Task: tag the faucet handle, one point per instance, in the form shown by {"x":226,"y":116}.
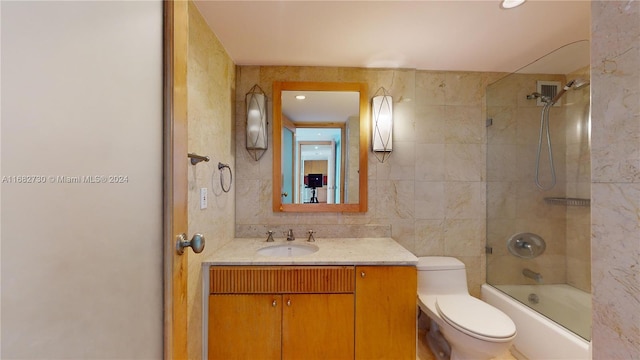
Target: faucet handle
{"x":311,"y":238}
{"x":270,"y":236}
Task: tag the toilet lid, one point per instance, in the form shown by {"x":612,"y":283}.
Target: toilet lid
{"x":475,"y":317}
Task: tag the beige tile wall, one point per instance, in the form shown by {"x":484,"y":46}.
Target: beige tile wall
{"x":615,"y":172}
{"x":211,"y":84}
{"x":429,"y":196}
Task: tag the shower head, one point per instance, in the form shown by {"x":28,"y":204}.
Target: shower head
{"x":574,"y":84}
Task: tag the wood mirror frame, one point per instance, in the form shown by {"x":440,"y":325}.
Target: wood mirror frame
{"x":361,"y":205}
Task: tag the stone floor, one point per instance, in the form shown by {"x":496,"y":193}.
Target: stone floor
{"x":424,"y":353}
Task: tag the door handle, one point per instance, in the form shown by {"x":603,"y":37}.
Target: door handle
{"x":284,"y":194}
{"x":196,"y":243}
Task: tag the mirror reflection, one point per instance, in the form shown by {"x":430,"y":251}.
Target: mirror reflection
{"x":318,"y":134}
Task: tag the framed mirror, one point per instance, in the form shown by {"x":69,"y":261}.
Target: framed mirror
{"x":320,"y":145}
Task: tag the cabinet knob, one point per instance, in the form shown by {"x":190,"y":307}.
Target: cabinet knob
{"x":362,"y":274}
{"x":289,"y":302}
{"x":274,"y":303}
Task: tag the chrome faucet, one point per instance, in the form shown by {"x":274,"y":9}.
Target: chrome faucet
{"x":290,"y":236}
{"x":532,"y":275}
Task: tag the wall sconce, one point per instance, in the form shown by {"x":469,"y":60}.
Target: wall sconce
{"x":382,"y":124}
{"x":257,"y":141}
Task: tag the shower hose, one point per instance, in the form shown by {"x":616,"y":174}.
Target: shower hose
{"x":544,"y":128}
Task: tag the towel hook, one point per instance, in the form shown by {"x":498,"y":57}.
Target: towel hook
{"x":195,"y":158}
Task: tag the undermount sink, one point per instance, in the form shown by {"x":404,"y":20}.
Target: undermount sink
{"x":289,"y":250}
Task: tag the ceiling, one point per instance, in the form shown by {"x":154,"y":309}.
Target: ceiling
{"x":454,"y":35}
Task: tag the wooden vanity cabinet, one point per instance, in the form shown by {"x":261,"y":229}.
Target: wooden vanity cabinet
{"x":312,"y":312}
{"x":281,"y":312}
{"x":245,"y":326}
{"x":318,"y":326}
{"x":386,"y":312}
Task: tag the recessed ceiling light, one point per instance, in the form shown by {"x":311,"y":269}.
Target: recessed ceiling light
{"x":510,"y":4}
{"x":300,"y":97}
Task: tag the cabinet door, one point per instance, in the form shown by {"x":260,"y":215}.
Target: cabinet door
{"x":386,"y":312}
{"x":245,"y":326}
{"x":318,"y":326}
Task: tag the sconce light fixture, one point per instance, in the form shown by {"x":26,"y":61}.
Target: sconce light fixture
{"x":257,"y":141}
{"x":382,"y":124}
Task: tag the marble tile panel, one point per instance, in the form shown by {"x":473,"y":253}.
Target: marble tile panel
{"x":464,"y":237}
{"x":429,"y":237}
{"x":464,"y":200}
{"x":464,"y":88}
{"x":498,"y":232}
{"x":430,"y":124}
{"x":403,"y":231}
{"x":395,"y":199}
{"x":430,"y":87}
{"x":501,"y":200}
{"x":504,"y":125}
{"x":464,"y":125}
{"x":476,"y":270}
{"x":502,"y":162}
{"x":464,"y":162}
{"x":429,"y":164}
{"x":429,"y":200}
{"x":400,"y":165}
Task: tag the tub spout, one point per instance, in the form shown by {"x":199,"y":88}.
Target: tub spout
{"x":532,"y":275}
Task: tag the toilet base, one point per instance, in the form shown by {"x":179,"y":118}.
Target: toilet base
{"x":437,"y":343}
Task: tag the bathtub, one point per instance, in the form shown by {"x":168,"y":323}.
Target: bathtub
{"x":538,"y":337}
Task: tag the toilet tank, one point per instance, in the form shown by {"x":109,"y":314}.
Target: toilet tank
{"x":441,"y":275}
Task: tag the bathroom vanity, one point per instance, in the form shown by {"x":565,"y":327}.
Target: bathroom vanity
{"x":341,"y":299}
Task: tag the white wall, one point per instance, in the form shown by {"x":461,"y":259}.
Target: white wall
{"x":81,"y":263}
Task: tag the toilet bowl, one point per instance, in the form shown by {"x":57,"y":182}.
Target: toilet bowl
{"x":473,"y":328}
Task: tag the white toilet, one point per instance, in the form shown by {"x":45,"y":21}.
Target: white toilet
{"x":472,"y":328}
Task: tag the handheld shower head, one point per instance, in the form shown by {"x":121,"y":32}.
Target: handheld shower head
{"x":578,"y":83}
{"x":574,"y":84}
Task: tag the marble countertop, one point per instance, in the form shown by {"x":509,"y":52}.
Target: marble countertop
{"x":332,"y":251}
